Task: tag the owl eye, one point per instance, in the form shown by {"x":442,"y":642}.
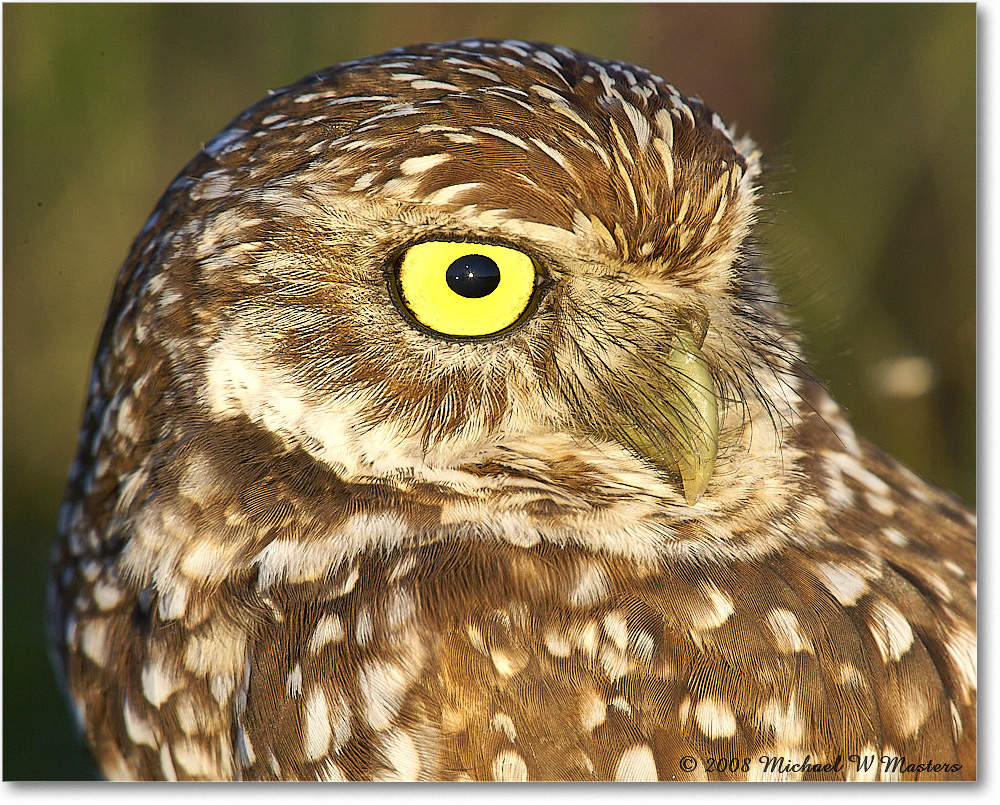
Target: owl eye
{"x":465,"y":289}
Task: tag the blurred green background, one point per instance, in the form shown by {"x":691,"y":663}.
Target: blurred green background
{"x":867,"y":114}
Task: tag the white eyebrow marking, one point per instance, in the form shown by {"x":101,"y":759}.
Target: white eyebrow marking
{"x":446,"y":194}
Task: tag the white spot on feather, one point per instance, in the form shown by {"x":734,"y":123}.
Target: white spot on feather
{"x":960,"y":643}
{"x":590,"y":587}
{"x":895,"y":536}
{"x":72,"y":630}
{"x":785,"y":719}
{"x":508,"y":664}
{"x":293,"y":685}
{"x":159,"y":682}
{"x":139,"y":730}
{"x":460,"y":139}
{"x":913,"y":712}
{"x":489,"y":75}
{"x":225,"y":141}
{"x":383,"y":686}
{"x":787,"y":631}
{"x":503,"y":723}
{"x":205,"y":561}
{"x":891,"y":631}
{"x":363,"y":628}
{"x":363,"y":182}
{"x":167,"y":764}
{"x":106,"y":595}
{"x":593,"y":712}
{"x":639,"y":124}
{"x":446,"y":195}
{"x":425,"y":84}
{"x":93,"y":640}
{"x":636,"y":765}
{"x":213,"y":185}
{"x":881,"y":504}
{"x":850,"y":676}
{"x":719,"y":608}
{"x":616,"y":628}
{"x":644,"y":646}
{"x":403,"y":567}
{"x":557,"y":643}
{"x":244,"y":747}
{"x":715,"y":718}
{"x":402,"y":755}
{"x":552,"y":154}
{"x":415,"y":165}
{"x":846,"y":585}
{"x":851,"y":466}
{"x":222,"y":686}
{"x":587,"y":638}
{"x":329,"y":629}
{"x":503,"y":135}
{"x":615,"y":662}
{"x":508,"y":766}
{"x":172,"y":602}
{"x":957,"y":729}
{"x":330,"y":772}
{"x":665,"y":123}
{"x":191,"y":757}
{"x":217,"y":650}
{"x":316,"y":732}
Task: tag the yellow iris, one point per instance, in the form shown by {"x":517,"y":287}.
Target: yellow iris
{"x":466,"y":289}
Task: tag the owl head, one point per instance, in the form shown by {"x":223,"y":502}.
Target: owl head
{"x":450,"y":275}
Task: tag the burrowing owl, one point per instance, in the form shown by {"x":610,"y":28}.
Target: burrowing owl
{"x":444,"y":426}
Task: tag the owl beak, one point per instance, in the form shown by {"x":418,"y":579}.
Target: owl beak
{"x":665,"y":410}
{"x":693,"y":415}
{"x":663,"y":407}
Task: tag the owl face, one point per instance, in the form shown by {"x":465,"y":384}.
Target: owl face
{"x":510,"y":255}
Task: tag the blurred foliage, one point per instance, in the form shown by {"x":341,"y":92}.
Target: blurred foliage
{"x":866,"y":113}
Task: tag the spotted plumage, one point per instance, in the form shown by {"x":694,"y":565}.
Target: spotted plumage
{"x":622,"y":536}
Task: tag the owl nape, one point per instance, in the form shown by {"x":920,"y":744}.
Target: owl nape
{"x":445,"y":426}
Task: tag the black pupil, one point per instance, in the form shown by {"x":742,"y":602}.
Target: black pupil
{"x":473,"y":276}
